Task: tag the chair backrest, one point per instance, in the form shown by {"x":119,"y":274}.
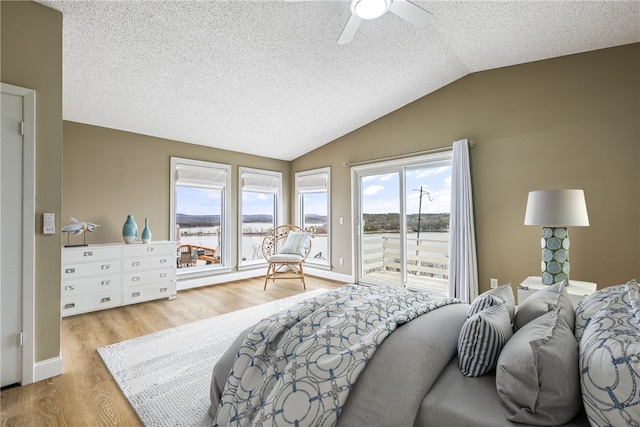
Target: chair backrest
{"x":276,"y":237}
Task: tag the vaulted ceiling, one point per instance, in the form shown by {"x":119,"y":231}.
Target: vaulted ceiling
{"x":268,"y":78}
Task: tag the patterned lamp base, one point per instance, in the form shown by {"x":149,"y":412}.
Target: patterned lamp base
{"x":555,"y":255}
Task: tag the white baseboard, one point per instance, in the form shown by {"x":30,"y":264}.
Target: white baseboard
{"x":328,"y":274}
{"x":214,"y":279}
{"x":196,"y":282}
{"x":48,"y":368}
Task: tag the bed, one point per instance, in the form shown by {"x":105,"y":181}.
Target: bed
{"x":414,"y":377}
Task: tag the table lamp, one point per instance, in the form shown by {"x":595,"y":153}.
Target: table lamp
{"x":556,"y":210}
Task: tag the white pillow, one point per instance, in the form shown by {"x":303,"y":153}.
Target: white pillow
{"x":296,"y":243}
{"x":609,"y":362}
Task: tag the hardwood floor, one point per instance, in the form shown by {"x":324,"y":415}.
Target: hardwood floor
{"x":86,"y":395}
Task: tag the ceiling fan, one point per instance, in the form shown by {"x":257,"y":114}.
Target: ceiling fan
{"x":372,"y":9}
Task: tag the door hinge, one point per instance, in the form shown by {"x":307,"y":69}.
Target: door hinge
{"x":21,"y":338}
{"x":21,"y":128}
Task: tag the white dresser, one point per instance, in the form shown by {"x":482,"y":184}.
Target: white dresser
{"x":97,"y":277}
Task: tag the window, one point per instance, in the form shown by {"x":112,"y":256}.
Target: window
{"x":259,"y":210}
{"x":200,"y":210}
{"x":312,"y":212}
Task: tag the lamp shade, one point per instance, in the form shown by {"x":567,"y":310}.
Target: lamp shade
{"x":562,"y":208}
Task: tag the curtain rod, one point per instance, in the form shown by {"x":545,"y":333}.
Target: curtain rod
{"x":402,"y":156}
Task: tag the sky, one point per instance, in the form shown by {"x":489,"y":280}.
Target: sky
{"x":380,"y":193}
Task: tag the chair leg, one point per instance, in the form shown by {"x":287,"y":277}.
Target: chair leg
{"x":304,"y":284}
{"x":266,"y":277}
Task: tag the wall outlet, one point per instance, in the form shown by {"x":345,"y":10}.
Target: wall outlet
{"x":494,"y":283}
{"x":341,"y":261}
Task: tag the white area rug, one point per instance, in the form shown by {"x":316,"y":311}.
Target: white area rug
{"x":166,"y":375}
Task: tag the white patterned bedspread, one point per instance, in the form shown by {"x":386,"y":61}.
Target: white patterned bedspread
{"x":297,"y":367}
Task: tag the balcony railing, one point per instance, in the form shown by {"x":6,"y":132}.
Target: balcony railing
{"x":427,"y":261}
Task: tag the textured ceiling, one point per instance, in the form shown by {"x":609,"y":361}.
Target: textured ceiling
{"x":267,"y":77}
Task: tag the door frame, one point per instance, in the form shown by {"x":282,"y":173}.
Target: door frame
{"x":386,"y":166}
{"x":28,"y":227}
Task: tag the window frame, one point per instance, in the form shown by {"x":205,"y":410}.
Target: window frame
{"x":225,"y":213}
{"x":276,"y":191}
{"x":299,"y":211}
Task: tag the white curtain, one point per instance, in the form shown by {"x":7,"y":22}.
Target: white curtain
{"x":463,"y":263}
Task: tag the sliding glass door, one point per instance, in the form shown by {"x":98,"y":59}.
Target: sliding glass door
{"x":402,"y":222}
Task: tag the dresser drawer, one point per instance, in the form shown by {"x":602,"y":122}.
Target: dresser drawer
{"x":83,"y":285}
{"x":90,"y":302}
{"x":90,"y":253}
{"x":139,"y":278}
{"x":138,"y":250}
{"x":146,"y":263}
{"x":136,"y":294}
{"x":82,"y":269}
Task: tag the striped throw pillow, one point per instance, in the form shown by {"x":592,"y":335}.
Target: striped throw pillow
{"x":482,"y":338}
{"x":296,"y":243}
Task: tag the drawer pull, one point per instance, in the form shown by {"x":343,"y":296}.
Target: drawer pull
{"x":70,"y":288}
{"x":163,"y":261}
{"x":163,"y":289}
{"x":135,"y":294}
{"x":163,"y":274}
{"x":135,"y":263}
{"x":135,"y":278}
{"x":105,"y":299}
{"x":105,"y":266}
{"x":105,"y":283}
{"x":68,"y":306}
{"x":70,"y":270}
{"x":150,"y":249}
{"x":87,"y":253}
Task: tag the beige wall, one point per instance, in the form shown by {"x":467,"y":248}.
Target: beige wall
{"x":570,"y":122}
{"x":109,"y":174}
{"x":561,"y":123}
{"x":31,"y":57}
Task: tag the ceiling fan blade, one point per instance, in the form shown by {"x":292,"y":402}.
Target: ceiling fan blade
{"x":349,"y":30}
{"x":410,"y":12}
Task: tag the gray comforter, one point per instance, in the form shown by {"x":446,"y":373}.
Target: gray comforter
{"x":411,"y":380}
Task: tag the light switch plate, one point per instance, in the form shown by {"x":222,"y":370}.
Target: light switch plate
{"x":49,"y":223}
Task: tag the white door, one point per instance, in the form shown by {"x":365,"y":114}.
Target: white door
{"x":11,"y":215}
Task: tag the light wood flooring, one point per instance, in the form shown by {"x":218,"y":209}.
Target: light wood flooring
{"x":86,"y":395}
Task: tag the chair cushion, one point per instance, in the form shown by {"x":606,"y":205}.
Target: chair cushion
{"x":296,"y":243}
{"x":285,"y":258}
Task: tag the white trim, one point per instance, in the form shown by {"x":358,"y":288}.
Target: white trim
{"x":274,"y":188}
{"x":225,"y":214}
{"x":298,"y":195}
{"x":197,"y":282}
{"x":47,"y":368}
{"x":330,"y":275}
{"x":29,"y":218}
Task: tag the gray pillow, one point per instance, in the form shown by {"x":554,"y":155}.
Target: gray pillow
{"x":543,"y":301}
{"x":481,"y":340}
{"x":505,"y":293}
{"x":537,"y":375}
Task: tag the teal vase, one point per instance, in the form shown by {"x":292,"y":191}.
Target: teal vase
{"x":130,"y":230}
{"x":146,"y":233}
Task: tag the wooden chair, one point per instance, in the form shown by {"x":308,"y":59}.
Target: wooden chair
{"x":286,"y":254}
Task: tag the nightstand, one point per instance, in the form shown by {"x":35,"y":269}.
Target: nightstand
{"x":576,"y":288}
